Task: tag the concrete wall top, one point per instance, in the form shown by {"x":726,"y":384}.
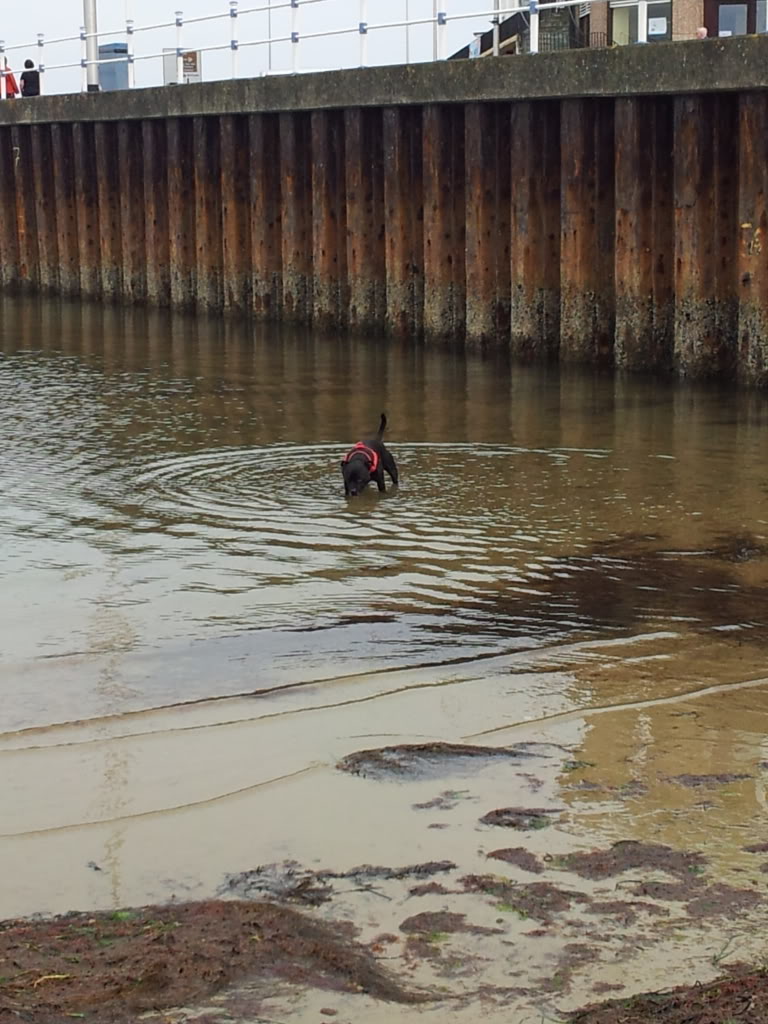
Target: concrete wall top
{"x":717,"y":65}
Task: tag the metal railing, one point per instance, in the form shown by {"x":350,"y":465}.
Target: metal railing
{"x":235,"y":14}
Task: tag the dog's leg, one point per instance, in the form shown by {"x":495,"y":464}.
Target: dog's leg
{"x":391,"y":468}
{"x":379,"y":478}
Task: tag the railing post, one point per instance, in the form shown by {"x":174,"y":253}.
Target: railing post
{"x":294,"y":35}
{"x":3,"y":85}
{"x":642,"y":21}
{"x":363,"y":33}
{"x":179,"y":51}
{"x":407,"y":33}
{"x":41,"y":62}
{"x":533,"y":8}
{"x":442,"y":22}
{"x":130,"y":54}
{"x":83,"y":59}
{"x":495,"y":21}
{"x":233,"y":41}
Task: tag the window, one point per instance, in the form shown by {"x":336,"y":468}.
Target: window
{"x":624,"y":22}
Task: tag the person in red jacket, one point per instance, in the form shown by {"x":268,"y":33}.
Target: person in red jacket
{"x":11,"y":86}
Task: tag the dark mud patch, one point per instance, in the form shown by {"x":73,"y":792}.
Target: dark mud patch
{"x":446,"y":801}
{"x":741,"y":998}
{"x":520,"y":857}
{"x":442,"y":922}
{"x":625,"y":912}
{"x":426,"y":760}
{"x":676,"y":892}
{"x":428,"y":889}
{"x":290,"y":882}
{"x":706,"y":781}
{"x":756,"y":848}
{"x":537,"y":900}
{"x":287,"y":881}
{"x":629,"y":855}
{"x":523,"y":819}
{"x":109,"y":967}
{"x":371,"y":872}
{"x":723,"y":900}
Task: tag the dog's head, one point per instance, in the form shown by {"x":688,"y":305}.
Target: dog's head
{"x":357,"y":476}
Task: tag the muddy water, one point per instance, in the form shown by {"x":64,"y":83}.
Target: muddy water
{"x":197,"y":626}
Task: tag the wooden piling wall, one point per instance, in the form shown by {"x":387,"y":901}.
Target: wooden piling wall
{"x":629,"y":230}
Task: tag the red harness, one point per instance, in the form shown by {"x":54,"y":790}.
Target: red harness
{"x":370,"y":454}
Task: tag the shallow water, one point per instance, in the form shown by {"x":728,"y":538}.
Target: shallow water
{"x":197,"y":625}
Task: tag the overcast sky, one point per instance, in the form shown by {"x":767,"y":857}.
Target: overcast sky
{"x":58,"y":18}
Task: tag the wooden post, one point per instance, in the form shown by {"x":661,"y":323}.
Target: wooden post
{"x":587,"y":231}
{"x":26,"y":214}
{"x":182,"y":250}
{"x":403,"y":191}
{"x":156,"y":233}
{"x":108,"y":183}
{"x":329,"y":242}
{"x":235,"y":213}
{"x":364,"y":186}
{"x":87,"y":208}
{"x":444,"y":227}
{"x":753,"y":247}
{"x":535,"y":233}
{"x":43,"y":175}
{"x":129,"y":144}
{"x":208,"y":228}
{"x":644,"y":254}
{"x":266,"y":230}
{"x":296,"y":215}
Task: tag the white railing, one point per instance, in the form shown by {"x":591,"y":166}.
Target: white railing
{"x":286,"y":13}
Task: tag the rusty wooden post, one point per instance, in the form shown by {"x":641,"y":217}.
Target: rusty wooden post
{"x":753,"y":248}
{"x":129,"y":143}
{"x":535,"y":231}
{"x":296,"y":215}
{"x":403,"y":192}
{"x":9,"y":232}
{"x":265,"y":214}
{"x":487,"y":224}
{"x":87,"y":208}
{"x":364,"y":184}
{"x":26,"y":219}
{"x":181,"y":212}
{"x":43,"y":174}
{"x":66,"y":212}
{"x":444,"y":227}
{"x":108,"y":183}
{"x":235,"y":213}
{"x":644,"y":254}
{"x":587,"y":229}
{"x":156,"y":231}
{"x":706,"y":196}
{"x":329,"y":242}
{"x":208,"y":234}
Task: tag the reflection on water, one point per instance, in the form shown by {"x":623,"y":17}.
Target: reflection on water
{"x":174,"y":529}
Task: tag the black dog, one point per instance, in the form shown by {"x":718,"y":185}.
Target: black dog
{"x":367,"y":461}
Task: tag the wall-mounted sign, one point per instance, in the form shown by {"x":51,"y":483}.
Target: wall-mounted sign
{"x":192,"y":66}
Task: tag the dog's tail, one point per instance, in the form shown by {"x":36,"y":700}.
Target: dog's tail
{"x":382,"y":426}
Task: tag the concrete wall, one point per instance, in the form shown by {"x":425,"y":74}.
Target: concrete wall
{"x":612,"y":211}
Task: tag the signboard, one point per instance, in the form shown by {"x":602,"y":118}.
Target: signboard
{"x":474,"y":47}
{"x":192,"y":66}
{"x":657,"y":26}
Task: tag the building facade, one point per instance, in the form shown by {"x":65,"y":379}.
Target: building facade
{"x":615,"y":23}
